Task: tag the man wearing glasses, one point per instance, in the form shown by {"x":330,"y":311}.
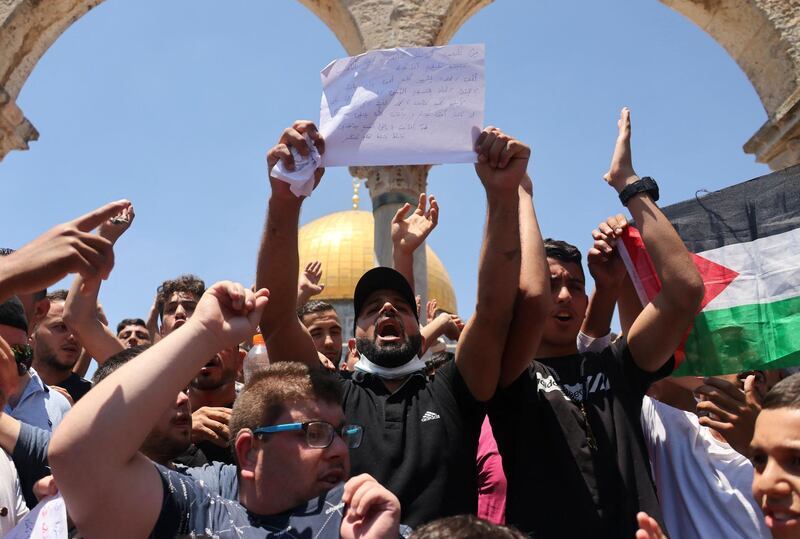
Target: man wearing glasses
{"x":290,"y":441}
{"x":33,"y":402}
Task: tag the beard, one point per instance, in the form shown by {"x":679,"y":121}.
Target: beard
{"x":47,"y":356}
{"x":162,"y":447}
{"x":216,"y":378}
{"x":390,"y":356}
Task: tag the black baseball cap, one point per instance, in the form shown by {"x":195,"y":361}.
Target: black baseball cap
{"x":383,"y":278}
{"x":12,"y":313}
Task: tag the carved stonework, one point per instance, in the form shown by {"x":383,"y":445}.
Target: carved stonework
{"x":16,"y":131}
{"x":763,"y":36}
{"x":777,"y":143}
{"x":409,"y":180}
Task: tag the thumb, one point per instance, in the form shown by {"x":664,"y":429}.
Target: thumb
{"x":262,"y":299}
{"x":93,"y":219}
{"x":752,"y":396}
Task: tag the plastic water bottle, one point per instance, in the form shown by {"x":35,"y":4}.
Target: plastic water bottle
{"x":256,"y":359}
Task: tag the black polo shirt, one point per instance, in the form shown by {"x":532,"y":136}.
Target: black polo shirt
{"x":420,"y":442}
{"x":76,"y":386}
{"x":558,"y":486}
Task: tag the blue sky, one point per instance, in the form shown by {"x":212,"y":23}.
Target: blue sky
{"x":174,"y":104}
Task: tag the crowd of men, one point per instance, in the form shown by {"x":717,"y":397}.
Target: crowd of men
{"x":541,"y":423}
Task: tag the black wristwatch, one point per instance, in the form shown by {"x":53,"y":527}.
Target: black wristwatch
{"x":642,"y":185}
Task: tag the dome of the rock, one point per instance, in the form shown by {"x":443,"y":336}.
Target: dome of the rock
{"x":343,"y":243}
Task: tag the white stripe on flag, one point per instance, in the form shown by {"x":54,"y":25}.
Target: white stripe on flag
{"x":769,"y":270}
{"x":637,"y":283}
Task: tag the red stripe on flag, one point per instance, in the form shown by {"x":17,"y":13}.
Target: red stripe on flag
{"x":645,"y":279}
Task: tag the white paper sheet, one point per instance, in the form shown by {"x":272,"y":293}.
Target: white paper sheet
{"x":403,"y":106}
{"x":301,"y":179}
{"x":48,"y":520}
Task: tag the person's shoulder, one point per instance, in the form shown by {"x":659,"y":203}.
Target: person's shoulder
{"x":616,"y":351}
{"x":58,"y":400}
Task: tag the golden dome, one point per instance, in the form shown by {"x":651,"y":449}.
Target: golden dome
{"x":343,"y":242}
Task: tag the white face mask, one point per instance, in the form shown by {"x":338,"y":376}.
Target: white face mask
{"x":391,"y":373}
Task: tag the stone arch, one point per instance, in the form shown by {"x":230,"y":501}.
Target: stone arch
{"x":763,"y":36}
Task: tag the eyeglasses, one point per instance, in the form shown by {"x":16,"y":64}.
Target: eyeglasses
{"x":23,"y":354}
{"x":319,"y":434}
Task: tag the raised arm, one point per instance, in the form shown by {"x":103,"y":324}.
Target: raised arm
{"x":502,"y":164}
{"x":66,"y":248}
{"x":80,"y":311}
{"x":449,"y":325}
{"x":608,"y":272}
{"x":309,"y":283}
{"x":278,"y":260}
{"x":409,"y":232}
{"x":658,"y":330}
{"x":533,"y":302}
{"x":104,"y":431}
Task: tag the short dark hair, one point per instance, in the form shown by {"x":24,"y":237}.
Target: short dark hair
{"x":561,"y":250}
{"x":57,"y":295}
{"x":784,"y":394}
{"x":267,"y":395}
{"x":130,"y":322}
{"x":465,"y":527}
{"x":314,"y":306}
{"x":116,"y":361}
{"x":187,"y":282}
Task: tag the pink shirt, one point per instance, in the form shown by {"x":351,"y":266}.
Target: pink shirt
{"x":491,"y":478}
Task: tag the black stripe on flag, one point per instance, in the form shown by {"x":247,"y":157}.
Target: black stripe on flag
{"x":758,"y":208}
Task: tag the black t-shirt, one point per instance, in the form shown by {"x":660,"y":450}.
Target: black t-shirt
{"x":76,"y":386}
{"x":419,"y":442}
{"x":557,"y":485}
{"x":215,"y":453}
{"x":190,"y":508}
{"x":192,"y":457}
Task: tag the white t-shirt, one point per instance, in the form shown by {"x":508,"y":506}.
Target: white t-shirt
{"x":704,"y":485}
{"x":12,"y":504}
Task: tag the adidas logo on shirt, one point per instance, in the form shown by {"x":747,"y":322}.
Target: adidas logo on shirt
{"x":429,"y":416}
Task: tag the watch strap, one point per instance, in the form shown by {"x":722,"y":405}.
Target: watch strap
{"x":645,"y":184}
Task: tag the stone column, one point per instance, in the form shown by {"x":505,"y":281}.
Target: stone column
{"x":390,"y":188}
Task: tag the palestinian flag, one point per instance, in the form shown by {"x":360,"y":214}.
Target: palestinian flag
{"x":745,"y":241}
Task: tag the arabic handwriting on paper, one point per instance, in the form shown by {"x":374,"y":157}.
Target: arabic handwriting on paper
{"x":48,"y":520}
{"x":403,"y":106}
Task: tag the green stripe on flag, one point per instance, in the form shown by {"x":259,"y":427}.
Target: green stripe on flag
{"x":742,"y":338}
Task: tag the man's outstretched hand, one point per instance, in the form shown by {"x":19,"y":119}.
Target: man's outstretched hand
{"x":309,"y":285}
{"x":228,"y":313}
{"x":111,"y":229}
{"x":210,"y":424}
{"x":372,"y":511}
{"x":409,"y":231}
{"x":502,"y":160}
{"x":648,"y":527}
{"x":605,"y":263}
{"x":66,"y":248}
{"x":9,"y":375}
{"x":621,"y":173}
{"x":731,"y":411}
{"x":292,"y":137}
